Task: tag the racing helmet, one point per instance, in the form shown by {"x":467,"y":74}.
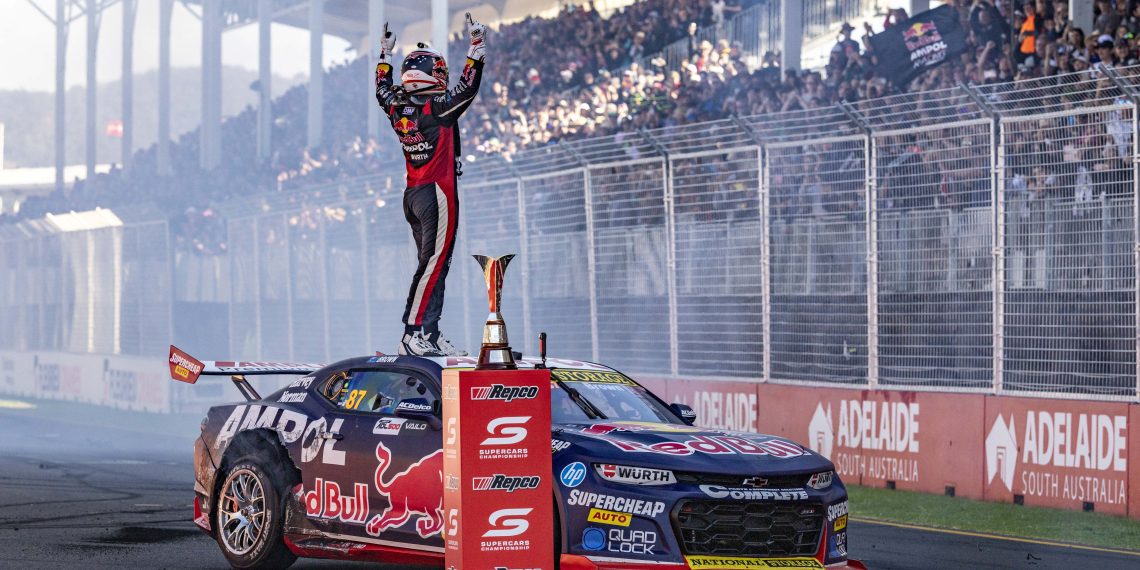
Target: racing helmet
{"x":424,"y":71}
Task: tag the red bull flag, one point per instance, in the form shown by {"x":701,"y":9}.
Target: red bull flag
{"x":923,"y":42}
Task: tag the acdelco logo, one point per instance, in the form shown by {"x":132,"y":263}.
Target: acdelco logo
{"x":507,"y":522}
{"x":507,"y":430}
{"x":505,"y":393}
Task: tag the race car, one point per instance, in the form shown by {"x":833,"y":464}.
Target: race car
{"x":346,"y":462}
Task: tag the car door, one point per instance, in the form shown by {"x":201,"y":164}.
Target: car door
{"x":383,"y":478}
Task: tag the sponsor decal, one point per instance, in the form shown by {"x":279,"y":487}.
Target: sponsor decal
{"x":608,"y":428}
{"x":293,"y":397}
{"x":320,"y":442}
{"x":635,"y":475}
{"x":412,"y":494}
{"x":388,"y":426}
{"x":751,"y":494}
{"x":600,"y":376}
{"x":723,"y":409}
{"x":722,"y":562}
{"x":304,"y":382}
{"x":868,"y":426}
{"x":413,"y":407}
{"x":840,"y":523}
{"x":409,"y":111}
{"x":754,"y":482}
{"x":404,"y":125}
{"x":837,"y":510}
{"x":628,"y":541}
{"x":593,"y":539}
{"x":821,"y":480}
{"x":288,"y":424}
{"x":573,"y":474}
{"x":416,"y":426}
{"x":712,"y":445}
{"x":609,"y":517}
{"x":506,"y":524}
{"x":452,"y":483}
{"x":382,"y":359}
{"x":326,"y":501}
{"x":505,"y":432}
{"x":611,"y":503}
{"x":837,"y":544}
{"x":508,"y":483}
{"x":230,"y":367}
{"x":505,"y":393}
{"x":183,"y":367}
{"x":557,"y":445}
{"x":1063,"y":455}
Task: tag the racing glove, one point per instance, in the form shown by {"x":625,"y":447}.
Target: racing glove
{"x":478,"y":33}
{"x":387,"y":45}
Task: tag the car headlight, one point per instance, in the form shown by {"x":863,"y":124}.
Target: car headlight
{"x":634,"y":475}
{"x":821,"y":480}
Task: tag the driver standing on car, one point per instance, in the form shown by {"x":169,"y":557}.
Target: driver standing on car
{"x":425,"y":114}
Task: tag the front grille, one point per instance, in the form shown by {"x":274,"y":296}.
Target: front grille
{"x":748,"y":528}
{"x":768,"y":481}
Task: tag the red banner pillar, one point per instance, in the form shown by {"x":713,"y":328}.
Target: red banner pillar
{"x":496,"y":470}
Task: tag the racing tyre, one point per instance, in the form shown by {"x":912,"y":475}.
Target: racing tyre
{"x":249,"y":517}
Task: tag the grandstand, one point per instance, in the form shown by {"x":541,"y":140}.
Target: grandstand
{"x":975,"y":231}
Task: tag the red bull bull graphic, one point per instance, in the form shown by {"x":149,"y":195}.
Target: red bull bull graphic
{"x":405,"y":125}
{"x":413,"y":492}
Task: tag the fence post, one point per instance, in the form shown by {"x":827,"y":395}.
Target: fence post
{"x":524,"y":250}
{"x":997,"y":213}
{"x":323,"y":253}
{"x":870,"y":204}
{"x":1134,"y":96}
{"x":765,"y":247}
{"x":591,"y":261}
{"x":670,"y":252}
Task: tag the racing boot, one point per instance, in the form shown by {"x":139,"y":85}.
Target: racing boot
{"x":447,"y":348}
{"x":418,"y":344}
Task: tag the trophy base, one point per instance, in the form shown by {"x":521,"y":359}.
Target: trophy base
{"x":496,"y":358}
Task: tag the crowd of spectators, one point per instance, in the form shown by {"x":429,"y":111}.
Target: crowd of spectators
{"x":581,"y":74}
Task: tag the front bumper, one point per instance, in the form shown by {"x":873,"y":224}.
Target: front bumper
{"x":576,"y":562}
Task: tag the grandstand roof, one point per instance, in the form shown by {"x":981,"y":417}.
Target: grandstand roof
{"x":344,"y":18}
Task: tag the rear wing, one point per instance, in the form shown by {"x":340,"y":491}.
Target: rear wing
{"x":186,"y":368}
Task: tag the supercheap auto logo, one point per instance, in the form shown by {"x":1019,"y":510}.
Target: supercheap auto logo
{"x":504,"y":393}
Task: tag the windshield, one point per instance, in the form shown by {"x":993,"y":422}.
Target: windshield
{"x":612,"y":393}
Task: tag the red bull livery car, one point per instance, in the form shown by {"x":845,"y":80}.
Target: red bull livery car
{"x":346,"y":462}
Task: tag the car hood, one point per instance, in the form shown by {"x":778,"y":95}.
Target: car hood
{"x":687,"y":448}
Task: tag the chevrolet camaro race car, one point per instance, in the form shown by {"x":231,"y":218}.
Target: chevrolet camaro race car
{"x":346,"y":462}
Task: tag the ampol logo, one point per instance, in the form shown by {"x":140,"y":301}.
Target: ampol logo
{"x":1001,"y":451}
{"x":821,"y":435}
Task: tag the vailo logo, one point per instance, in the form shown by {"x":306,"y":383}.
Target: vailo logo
{"x":821,"y":436}
{"x":1001,"y":451}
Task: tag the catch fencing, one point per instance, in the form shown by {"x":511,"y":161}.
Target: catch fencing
{"x":975,"y":239}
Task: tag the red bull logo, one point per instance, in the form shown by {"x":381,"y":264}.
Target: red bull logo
{"x":414,"y":492}
{"x":405,"y":125}
{"x":919,"y":29}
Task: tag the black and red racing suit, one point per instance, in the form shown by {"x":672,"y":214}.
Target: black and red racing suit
{"x":429,"y":134}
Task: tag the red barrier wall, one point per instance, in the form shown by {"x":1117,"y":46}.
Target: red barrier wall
{"x":1058,"y":453}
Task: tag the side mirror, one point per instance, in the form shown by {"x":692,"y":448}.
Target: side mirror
{"x":419,"y":409}
{"x":687,"y":414}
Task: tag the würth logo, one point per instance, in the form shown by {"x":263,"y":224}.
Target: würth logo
{"x":505,"y":393}
{"x":506,"y":483}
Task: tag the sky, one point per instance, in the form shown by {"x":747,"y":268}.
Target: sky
{"x":27,"y":45}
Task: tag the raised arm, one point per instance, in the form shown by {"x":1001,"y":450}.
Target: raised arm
{"x":457,"y":99}
{"x":386,"y":94}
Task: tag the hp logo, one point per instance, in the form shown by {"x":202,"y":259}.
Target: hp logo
{"x":573,"y":474}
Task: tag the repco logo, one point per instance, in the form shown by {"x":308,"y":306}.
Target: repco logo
{"x":505,"y":393}
{"x":508,"y":483}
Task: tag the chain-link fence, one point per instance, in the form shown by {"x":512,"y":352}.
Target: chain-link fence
{"x":970,"y":239}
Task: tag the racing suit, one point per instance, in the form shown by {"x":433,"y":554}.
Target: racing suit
{"x":429,"y":134}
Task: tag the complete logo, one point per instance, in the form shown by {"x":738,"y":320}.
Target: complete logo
{"x":505,"y":393}
{"x":573,"y":474}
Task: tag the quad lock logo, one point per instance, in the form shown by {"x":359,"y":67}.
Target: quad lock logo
{"x":1062,"y":455}
{"x":865,"y":432}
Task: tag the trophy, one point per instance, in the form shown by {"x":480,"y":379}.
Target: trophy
{"x":495,"y":353}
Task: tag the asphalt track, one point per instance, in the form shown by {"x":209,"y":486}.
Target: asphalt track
{"x":78,"y":489}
